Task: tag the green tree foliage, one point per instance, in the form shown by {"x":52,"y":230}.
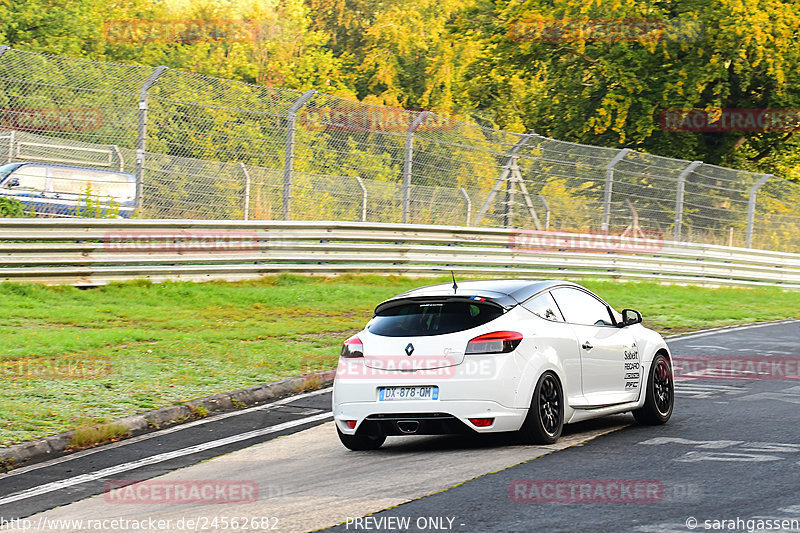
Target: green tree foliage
{"x":579,"y":86}
{"x":68,"y":27}
{"x":481,"y":59}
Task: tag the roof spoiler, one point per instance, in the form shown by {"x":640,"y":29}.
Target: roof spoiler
{"x":505,"y":302}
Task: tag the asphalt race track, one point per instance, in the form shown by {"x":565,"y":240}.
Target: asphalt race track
{"x":729,"y":460}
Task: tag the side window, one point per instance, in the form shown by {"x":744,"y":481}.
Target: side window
{"x":544,"y":306}
{"x":67,"y":181}
{"x":582,"y":308}
{"x":32,"y":177}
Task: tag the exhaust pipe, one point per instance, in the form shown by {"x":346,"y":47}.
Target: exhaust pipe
{"x":409,"y":427}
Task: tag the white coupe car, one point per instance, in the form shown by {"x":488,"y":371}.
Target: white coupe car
{"x":495,"y":356}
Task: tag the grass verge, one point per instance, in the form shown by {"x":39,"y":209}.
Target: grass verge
{"x":74,"y":358}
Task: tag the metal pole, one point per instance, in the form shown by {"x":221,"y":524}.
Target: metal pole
{"x":751,"y":207}
{"x":469,"y":204}
{"x":546,"y":213}
{"x":11,"y":146}
{"x":503,"y":175}
{"x":609,"y":185}
{"x":288,"y":161}
{"x":142,"y":133}
{"x":516,"y":176}
{"x":120,"y":161}
{"x":409,"y":154}
{"x":679,"y":199}
{"x":508,"y":213}
{"x":246,"y":191}
{"x":363,"y":198}
{"x":10,"y":158}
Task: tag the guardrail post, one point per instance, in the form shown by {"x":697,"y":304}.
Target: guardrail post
{"x":609,"y":187}
{"x":546,"y":213}
{"x":407,"y":163}
{"x":288,"y":161}
{"x":511,"y":156}
{"x":679,"y":199}
{"x":363,"y":198}
{"x":468,"y":201}
{"x":141,"y":143}
{"x":246,"y":215}
{"x":751,"y":207}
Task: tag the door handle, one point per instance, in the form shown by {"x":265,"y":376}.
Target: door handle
{"x":587,"y":346}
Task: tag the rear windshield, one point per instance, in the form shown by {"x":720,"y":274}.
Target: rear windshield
{"x":432,"y":318}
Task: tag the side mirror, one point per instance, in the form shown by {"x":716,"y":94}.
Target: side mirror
{"x":630,"y":317}
{"x":12,"y":182}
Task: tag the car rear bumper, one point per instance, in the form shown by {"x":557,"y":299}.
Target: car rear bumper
{"x":427,"y":417}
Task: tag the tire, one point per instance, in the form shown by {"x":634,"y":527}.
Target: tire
{"x":361,"y":441}
{"x":660,"y":394}
{"x":545,"y":419}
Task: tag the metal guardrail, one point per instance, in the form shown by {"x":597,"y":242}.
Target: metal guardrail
{"x":94,"y":252}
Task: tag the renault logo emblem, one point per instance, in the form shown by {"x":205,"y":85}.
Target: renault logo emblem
{"x":409,"y":349}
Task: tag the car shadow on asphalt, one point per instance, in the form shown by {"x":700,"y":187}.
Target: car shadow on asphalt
{"x":410,"y":444}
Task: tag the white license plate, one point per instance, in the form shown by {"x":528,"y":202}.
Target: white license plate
{"x":387,"y":394}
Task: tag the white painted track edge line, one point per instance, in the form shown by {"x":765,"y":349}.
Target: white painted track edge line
{"x":161,"y":432}
{"x":727,"y":329}
{"x":160,"y":458}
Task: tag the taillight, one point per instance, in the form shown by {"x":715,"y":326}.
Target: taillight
{"x":496,"y":342}
{"x":481,"y":422}
{"x":352,"y":347}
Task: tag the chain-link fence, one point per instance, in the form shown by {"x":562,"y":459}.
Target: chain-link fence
{"x":211,"y":148}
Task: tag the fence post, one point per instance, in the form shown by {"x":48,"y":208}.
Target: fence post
{"x":407,"y":162}
{"x":118,"y":154}
{"x":751,"y":207}
{"x":11,"y":146}
{"x":546,"y":213}
{"x":142,"y":132}
{"x":288,"y":161}
{"x":677,"y":227}
{"x":609,"y":186}
{"x":246,"y":191}
{"x":3,"y":49}
{"x":463,"y":192}
{"x":503,"y":175}
{"x":363,"y":198}
{"x":508,"y":211}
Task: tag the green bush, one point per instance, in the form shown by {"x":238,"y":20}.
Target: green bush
{"x":12,"y":208}
{"x":93,"y":207}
